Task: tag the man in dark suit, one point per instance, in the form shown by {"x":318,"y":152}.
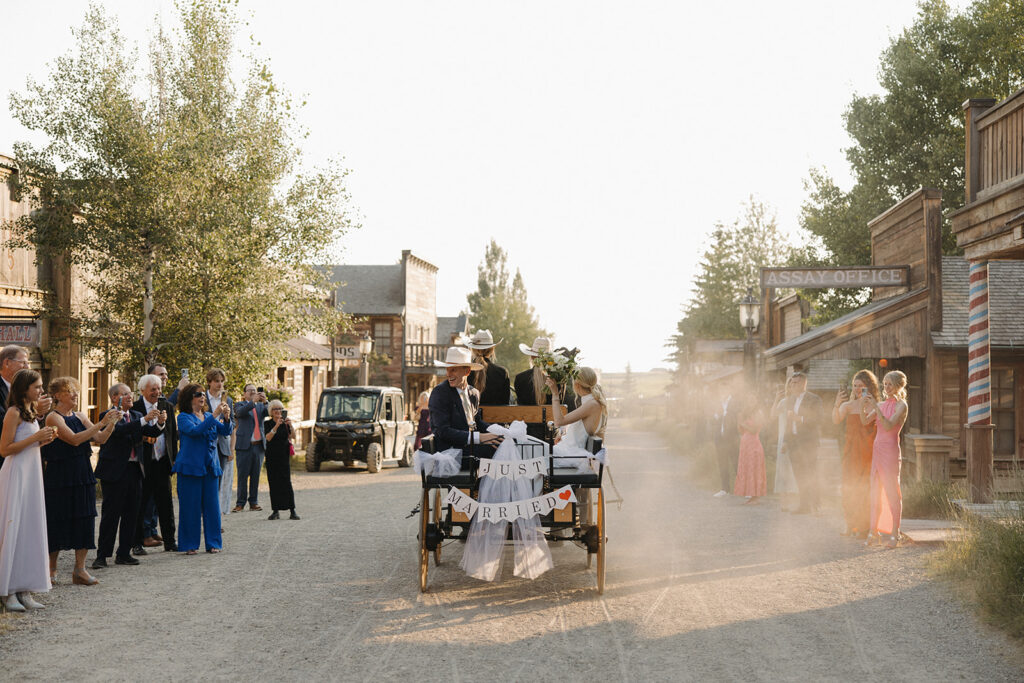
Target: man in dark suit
{"x":250,"y":446}
{"x":12,"y":359}
{"x":158,"y":453}
{"x":455,"y":417}
{"x":727,"y":436}
{"x":803,"y":429}
{"x":119,"y":470}
{"x":529,"y":385}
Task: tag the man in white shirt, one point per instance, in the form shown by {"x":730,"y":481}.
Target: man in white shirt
{"x":803,"y":429}
{"x":455,"y":417}
{"x":158,"y":453}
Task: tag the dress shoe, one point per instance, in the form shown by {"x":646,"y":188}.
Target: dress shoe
{"x":125,"y":560}
{"x":274,"y":515}
{"x":151,"y":541}
{"x":293,"y":515}
{"x":139,"y":550}
{"x":170,"y":547}
{"x":254,"y":506}
{"x":238,"y":508}
{"x":26,"y":600}
{"x":158,"y":538}
{"x":12,"y":604}
{"x":99,"y":563}
{"x":83,"y":578}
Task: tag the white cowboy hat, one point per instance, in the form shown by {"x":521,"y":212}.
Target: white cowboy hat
{"x":456,"y":357}
{"x":539,"y":344}
{"x":482,"y":339}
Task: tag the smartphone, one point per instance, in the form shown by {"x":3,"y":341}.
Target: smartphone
{"x":259,"y":390}
{"x":844,"y":387}
{"x":284,"y":414}
{"x":184,"y":373}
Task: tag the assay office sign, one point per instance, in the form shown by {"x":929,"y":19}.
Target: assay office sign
{"x":830,"y":278}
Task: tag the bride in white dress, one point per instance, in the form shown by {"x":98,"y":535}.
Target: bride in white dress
{"x":590,"y":419}
{"x":24,"y":552}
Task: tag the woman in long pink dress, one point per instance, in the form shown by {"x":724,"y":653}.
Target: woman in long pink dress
{"x":751,"y":477}
{"x":886,"y":498}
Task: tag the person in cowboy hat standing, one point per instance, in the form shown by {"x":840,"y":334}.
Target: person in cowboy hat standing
{"x":455,"y":417}
{"x":492,"y":382}
{"x":530,"y":383}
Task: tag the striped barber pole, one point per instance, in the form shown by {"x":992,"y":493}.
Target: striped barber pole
{"x":979,"y":394}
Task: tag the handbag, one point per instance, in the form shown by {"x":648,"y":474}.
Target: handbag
{"x":291,"y":450}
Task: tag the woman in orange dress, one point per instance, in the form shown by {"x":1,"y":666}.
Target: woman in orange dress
{"x":860,"y":441}
{"x":751,"y":477}
{"x":886,"y":497}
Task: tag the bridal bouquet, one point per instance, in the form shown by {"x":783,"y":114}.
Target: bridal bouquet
{"x":560,"y":365}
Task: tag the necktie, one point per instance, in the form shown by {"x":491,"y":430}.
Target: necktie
{"x":468,"y":408}
{"x":256,"y":428}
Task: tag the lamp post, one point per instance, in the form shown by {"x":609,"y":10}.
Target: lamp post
{"x":365,"y":346}
{"x":750,"y":318}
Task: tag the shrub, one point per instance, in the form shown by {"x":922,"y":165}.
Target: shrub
{"x":931,"y":499}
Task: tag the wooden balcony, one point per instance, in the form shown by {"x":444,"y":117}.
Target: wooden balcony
{"x":418,"y":356}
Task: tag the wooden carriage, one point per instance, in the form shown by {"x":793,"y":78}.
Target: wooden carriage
{"x":440,"y":524}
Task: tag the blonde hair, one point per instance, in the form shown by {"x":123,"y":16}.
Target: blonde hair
{"x":60,"y":384}
{"x":899,"y":380}
{"x":478,"y":378}
{"x":587,"y":379}
{"x":538,"y":385}
{"x":274,"y":404}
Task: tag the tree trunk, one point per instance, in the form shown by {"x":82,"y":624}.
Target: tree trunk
{"x":147,"y":306}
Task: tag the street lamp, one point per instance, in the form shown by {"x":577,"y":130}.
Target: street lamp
{"x":750,"y":318}
{"x":365,"y":346}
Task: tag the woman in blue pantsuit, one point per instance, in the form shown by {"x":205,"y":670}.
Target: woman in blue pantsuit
{"x":198,"y":469}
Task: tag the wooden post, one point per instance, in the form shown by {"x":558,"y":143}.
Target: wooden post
{"x":973,"y":108}
{"x":979,"y":395}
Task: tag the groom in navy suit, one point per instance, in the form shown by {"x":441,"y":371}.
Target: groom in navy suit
{"x":455,"y":416}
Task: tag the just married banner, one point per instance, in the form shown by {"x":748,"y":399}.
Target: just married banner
{"x":509,"y":512}
{"x":517,"y":469}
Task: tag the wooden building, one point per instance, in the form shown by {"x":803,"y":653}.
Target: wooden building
{"x":397,"y":305}
{"x":990,"y":230}
{"x":922,"y":329}
{"x":21,"y":297}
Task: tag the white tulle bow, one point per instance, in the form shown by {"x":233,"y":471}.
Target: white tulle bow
{"x":516,"y":430}
{"x":444,"y":464}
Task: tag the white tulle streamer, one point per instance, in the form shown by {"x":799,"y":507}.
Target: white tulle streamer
{"x":444,"y":464}
{"x":482,"y":556}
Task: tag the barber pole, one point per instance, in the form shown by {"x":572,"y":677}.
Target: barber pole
{"x":979,"y":403}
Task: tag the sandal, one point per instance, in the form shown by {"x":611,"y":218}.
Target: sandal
{"x":191,"y":552}
{"x":82,"y":578}
{"x":213,"y":550}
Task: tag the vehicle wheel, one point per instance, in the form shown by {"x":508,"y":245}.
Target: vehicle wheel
{"x":374,"y":457}
{"x":312,"y":461}
{"x":424,"y":553}
{"x":602,"y":541}
{"x":406,"y":459}
{"x":437,"y":521}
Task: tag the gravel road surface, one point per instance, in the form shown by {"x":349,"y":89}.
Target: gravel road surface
{"x":698,"y":589}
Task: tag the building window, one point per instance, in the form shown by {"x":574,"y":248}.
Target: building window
{"x":382,"y":336}
{"x":1004,"y":439}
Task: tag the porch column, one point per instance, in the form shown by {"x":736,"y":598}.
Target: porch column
{"x":979,"y":426}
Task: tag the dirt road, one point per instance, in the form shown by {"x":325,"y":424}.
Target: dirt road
{"x":698,"y":589}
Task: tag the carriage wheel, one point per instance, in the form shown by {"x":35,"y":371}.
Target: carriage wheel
{"x":602,"y":541}
{"x":424,"y":553}
{"x":437,"y":522}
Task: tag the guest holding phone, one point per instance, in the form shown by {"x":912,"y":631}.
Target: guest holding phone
{"x":69,"y":481}
{"x":250,"y":446}
{"x":278,"y":429}
{"x":24,"y":567}
{"x":857,"y":448}
{"x":198,"y":470}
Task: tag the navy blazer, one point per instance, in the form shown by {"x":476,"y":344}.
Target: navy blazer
{"x":114,"y":454}
{"x":448,"y":418}
{"x":245,"y":425}
{"x":197,"y":450}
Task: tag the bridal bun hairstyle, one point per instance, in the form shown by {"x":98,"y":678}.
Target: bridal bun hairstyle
{"x":587,"y":381}
{"x":899,"y":380}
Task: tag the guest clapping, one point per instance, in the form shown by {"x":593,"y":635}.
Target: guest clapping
{"x":23,"y":552}
{"x":68,"y":479}
{"x":198,"y":469}
{"x":278,"y":428}
{"x":158,"y":453}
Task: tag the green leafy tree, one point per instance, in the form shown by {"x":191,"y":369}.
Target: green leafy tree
{"x":500,"y":305}
{"x":180,"y":196}
{"x":731,"y":262}
{"x":912,"y":134}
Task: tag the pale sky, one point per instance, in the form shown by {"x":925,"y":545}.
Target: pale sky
{"x":598,"y":142}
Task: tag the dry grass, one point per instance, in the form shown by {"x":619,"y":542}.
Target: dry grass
{"x":931,"y":499}
{"x":987,"y":568}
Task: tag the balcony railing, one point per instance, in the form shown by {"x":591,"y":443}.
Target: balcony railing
{"x":424,"y":355}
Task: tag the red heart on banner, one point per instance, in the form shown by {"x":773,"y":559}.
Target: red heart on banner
{"x":564,"y":495}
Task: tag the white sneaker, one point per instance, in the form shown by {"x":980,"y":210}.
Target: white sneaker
{"x":27,"y":601}
{"x":12,"y":604}
{"x":721,"y":493}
